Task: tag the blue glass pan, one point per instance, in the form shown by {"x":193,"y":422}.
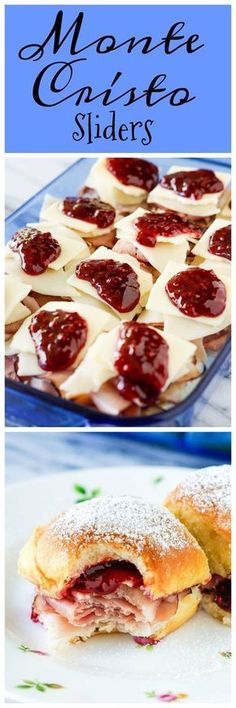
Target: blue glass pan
{"x":26,"y":406}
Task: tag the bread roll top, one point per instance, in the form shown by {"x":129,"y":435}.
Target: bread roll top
{"x":114,"y":528}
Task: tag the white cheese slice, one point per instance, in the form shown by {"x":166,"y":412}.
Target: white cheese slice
{"x":51,"y":211}
{"x":98,"y":320}
{"x":166,"y":249}
{"x":19,"y":313}
{"x":72,"y":245}
{"x":127,"y":226}
{"x":159,"y":299}
{"x":98,"y":367}
{"x":144,"y":278}
{"x":151,"y":317}
{"x":15,"y":292}
{"x":206,"y":206}
{"x":52,"y":282}
{"x":108,"y":186}
{"x":201,"y":248}
{"x":27,"y":365}
{"x":71,"y":248}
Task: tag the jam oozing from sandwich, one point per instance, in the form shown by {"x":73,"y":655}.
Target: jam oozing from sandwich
{"x":115,"y":282}
{"x":219,"y":589}
{"x":220,"y":242}
{"x":106,"y":577}
{"x":223,"y":594}
{"x":36,"y":249}
{"x":192,"y":184}
{"x":197,"y":292}
{"x":134,"y":171}
{"x":141,"y":360}
{"x":146,"y":641}
{"x":92,"y":210}
{"x":58,"y":337}
{"x":151,"y":226}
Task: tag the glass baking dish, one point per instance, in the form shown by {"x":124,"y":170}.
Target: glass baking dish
{"x":27,"y":406}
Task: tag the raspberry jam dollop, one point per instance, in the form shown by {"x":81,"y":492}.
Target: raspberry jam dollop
{"x":134,"y":171}
{"x":197,"y":293}
{"x":219,"y":590}
{"x":141,"y":360}
{"x":146,"y":641}
{"x":223,"y":594}
{"x":150,"y":226}
{"x":58,"y":337}
{"x":92,"y":210}
{"x":106,"y":577}
{"x":116,"y":283}
{"x":192,"y":184}
{"x":36,"y":250}
{"x":220,"y":242}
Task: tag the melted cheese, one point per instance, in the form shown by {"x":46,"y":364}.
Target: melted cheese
{"x":201,"y":248}
{"x":98,"y":367}
{"x":19,"y":313}
{"x":126,"y":225}
{"x":109,"y":188}
{"x":208,"y":204}
{"x":22,"y":343}
{"x":15,"y":292}
{"x":51,"y":211}
{"x":158,"y":295}
{"x":27,"y":365}
{"x":70,"y":248}
{"x":166,"y":249}
{"x":144,"y":278}
{"x":52,"y":282}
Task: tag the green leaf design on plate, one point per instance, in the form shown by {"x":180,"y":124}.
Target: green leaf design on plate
{"x":85,"y":494}
{"x":157,"y":480}
{"x":38,"y":685}
{"x":79,"y":489}
{"x":150,"y":694}
{"x":226,"y":654}
{"x":25,"y":649}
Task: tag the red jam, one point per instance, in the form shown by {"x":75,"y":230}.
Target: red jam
{"x":92,"y":210}
{"x":134,"y":171}
{"x":219,"y":589}
{"x":36,"y":249}
{"x":141,"y":360}
{"x":34,"y":616}
{"x":150,"y":226}
{"x":146,"y":641}
{"x":223,"y":594}
{"x":58,"y":337}
{"x":192,"y":184}
{"x":106,"y":577}
{"x":220,"y":243}
{"x":197,"y":293}
{"x":115,"y":282}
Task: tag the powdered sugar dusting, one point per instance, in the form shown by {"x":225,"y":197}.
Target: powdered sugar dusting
{"x":210,"y":488}
{"x":124,"y":519}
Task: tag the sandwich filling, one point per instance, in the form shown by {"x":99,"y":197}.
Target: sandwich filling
{"x":107,"y":597}
{"x":218,"y":590}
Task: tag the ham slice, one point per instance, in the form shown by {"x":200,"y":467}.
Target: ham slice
{"x":127,"y":609}
{"x":108,"y":400}
{"x":124,"y":246}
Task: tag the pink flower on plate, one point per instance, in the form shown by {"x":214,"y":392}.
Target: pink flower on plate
{"x":169,"y":697}
{"x":166,"y":697}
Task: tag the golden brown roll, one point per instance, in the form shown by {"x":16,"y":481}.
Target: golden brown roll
{"x":203,"y":503}
{"x":113,"y":564}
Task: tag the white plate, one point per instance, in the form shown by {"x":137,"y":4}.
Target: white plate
{"x":107,"y":668}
